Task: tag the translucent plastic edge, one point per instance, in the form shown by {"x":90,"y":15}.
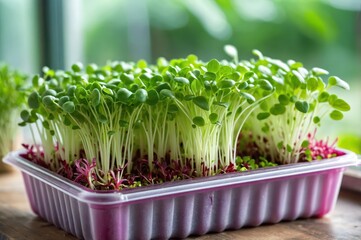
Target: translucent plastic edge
{"x":179,"y":187}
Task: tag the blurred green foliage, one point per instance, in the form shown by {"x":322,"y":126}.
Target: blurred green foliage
{"x":311,"y":31}
{"x":12,"y":98}
{"x":351,"y":142}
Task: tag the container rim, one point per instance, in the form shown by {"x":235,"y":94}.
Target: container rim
{"x":126,"y":196}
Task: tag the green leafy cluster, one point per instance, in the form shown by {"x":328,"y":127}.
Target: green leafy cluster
{"x":300,"y":101}
{"x":11,"y":99}
{"x":186,"y":109}
{"x":246,"y":163}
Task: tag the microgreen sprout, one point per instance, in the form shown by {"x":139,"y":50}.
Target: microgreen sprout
{"x":300,"y":101}
{"x":132,"y":124}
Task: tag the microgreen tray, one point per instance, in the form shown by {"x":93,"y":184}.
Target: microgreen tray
{"x":188,"y":207}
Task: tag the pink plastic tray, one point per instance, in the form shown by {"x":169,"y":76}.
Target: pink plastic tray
{"x":189,"y":207}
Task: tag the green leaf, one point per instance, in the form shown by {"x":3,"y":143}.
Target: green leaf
{"x":336,"y":115}
{"x":323,"y":97}
{"x":234,"y":76}
{"x":162,"y":86}
{"x":265,"y":84}
{"x":37,"y":81}
{"x":51,"y":116}
{"x":316,"y":120}
{"x":283,"y":99}
{"x":305,"y":144}
{"x":153,"y":97}
{"x":107,"y":91}
{"x":242,"y":85}
{"x":332,"y":98}
{"x":213,"y":117}
{"x":66,"y":121}
{"x":146,"y":77}
{"x":265,"y":70}
{"x":231,"y":51}
{"x":49,"y":92}
{"x":239,"y":110}
{"x":302,"y":106}
{"x":319,"y":71}
{"x":263,"y":115}
{"x":167,"y":93}
{"x":69,"y":107}
{"x":248,"y":96}
{"x":210,"y":76}
{"x":25,"y":115}
{"x":225,"y":70}
{"x":335,"y":81}
{"x":181,"y":80}
{"x":46,"y":124}
{"x":257,"y":53}
{"x":248,"y":75}
{"x":298,"y":76}
{"x":198,"y":121}
{"x":75,"y":127}
{"x":142,"y":64}
{"x":227,"y":83}
{"x":141,"y":95}
{"x":102,"y":118}
{"x":48,"y":72}
{"x":294,"y":65}
{"x":95,"y":97}
{"x":179,"y":96}
{"x":280,"y":145}
{"x":192,"y":58}
{"x":321,"y":85}
{"x":127,"y":78}
{"x":201,"y":102}
{"x":49,"y":102}
{"x":172,"y":71}
{"x":341,"y":105}
{"x":123,"y":123}
{"x":196,"y":85}
{"x":71,"y":90}
{"x":123,"y":95}
{"x":289,"y":148}
{"x":63,"y":100}
{"x":189,"y":97}
{"x":34,"y":100}
{"x":81,"y":93}
{"x":265,"y":128}
{"x":277,"y":109}
{"x":279,"y":64}
{"x":173,"y":108}
{"x":134,"y":87}
{"x":77,"y":67}
{"x":279,"y":80}
{"x":222,"y":104}
{"x":91,"y":68}
{"x":213,"y":66}
{"x":312,"y":84}
{"x":156,"y":79}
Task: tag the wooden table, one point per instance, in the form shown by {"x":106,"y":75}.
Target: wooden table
{"x":344,"y":222}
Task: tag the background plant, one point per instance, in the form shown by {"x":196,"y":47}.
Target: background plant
{"x":11,"y":100}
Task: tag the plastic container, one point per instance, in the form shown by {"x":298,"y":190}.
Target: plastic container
{"x":188,"y":207}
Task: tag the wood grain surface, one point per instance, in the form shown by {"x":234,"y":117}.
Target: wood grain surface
{"x":18,"y":222}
